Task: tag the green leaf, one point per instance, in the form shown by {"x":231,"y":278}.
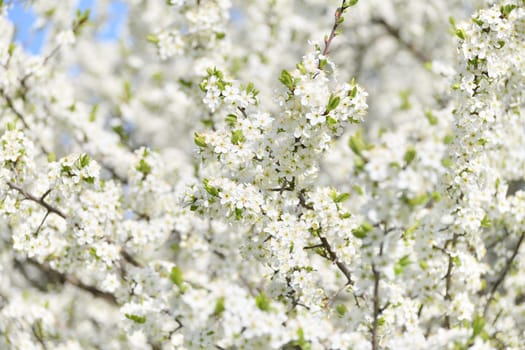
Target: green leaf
{"x":231,"y":119}
{"x":219,"y":306}
{"x":82,"y":17}
{"x":89,"y":180}
{"x":448,"y":139}
{"x":351,"y":3}
{"x":506,"y":10}
{"x":341,"y":310}
{"x":237,"y":137}
{"x":356,"y":143}
{"x":446,"y":162}
{"x":477,"y":325}
{"x":345,"y":215}
{"x":341,"y":197}
{"x":353,"y":93}
{"x":417,"y":200}
{"x":333,"y":102}
{"x":410,"y":155}
{"x":486,"y":222}
{"x":250,"y":89}
{"x":301,"y":68}
{"x":152,"y":39}
{"x":127,"y":91}
{"x":331,"y":121}
{"x":215,"y":72}
{"x":11,"y":126}
{"x":401,"y":264}
{"x":136,"y":318}
{"x":143,"y":167}
{"x":186,"y":83}
{"x":263,"y":302}
{"x":363,"y":230}
{"x":301,"y":343}
{"x":83,"y":160}
{"x":66,"y":169}
{"x":93,"y":253}
{"x":408,"y":233}
{"x":478,"y":21}
{"x":119,"y":130}
{"x":238,"y":213}
{"x":287,"y":80}
{"x":460,"y":33}
{"x":431,"y":118}
{"x":176,"y":277}
{"x":11,"y":49}
{"x":358,"y":189}
{"x":210,"y":189}
{"x":51,"y":157}
{"x":405,"y":100}
{"x":93,"y":113}
{"x":199,"y":140}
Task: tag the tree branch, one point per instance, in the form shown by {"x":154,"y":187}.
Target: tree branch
{"x":333,"y":258}
{"x":40,"y":201}
{"x":503,"y":273}
{"x":395,"y":33}
{"x":337,"y":21}
{"x":53,"y":275}
{"x":377,"y":311}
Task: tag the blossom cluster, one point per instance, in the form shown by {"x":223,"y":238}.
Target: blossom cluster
{"x":220,"y":175}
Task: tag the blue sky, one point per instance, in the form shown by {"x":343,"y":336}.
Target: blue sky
{"x":32,"y":40}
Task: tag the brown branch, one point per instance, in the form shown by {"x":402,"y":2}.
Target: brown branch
{"x":12,"y":107}
{"x":41,"y":223}
{"x":395,"y":33}
{"x":333,"y":258}
{"x":376,"y":300}
{"x":320,"y":245}
{"x":54,"y":275}
{"x":448,"y":284}
{"x":36,"y":329}
{"x":302,"y":200}
{"x":337,"y":21}
{"x":50,"y":209}
{"x":40,"y":201}
{"x":129,"y":258}
{"x":377,"y":311}
{"x":503,"y":273}
{"x":448,"y":275}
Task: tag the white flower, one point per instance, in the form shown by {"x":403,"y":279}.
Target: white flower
{"x":66,"y":37}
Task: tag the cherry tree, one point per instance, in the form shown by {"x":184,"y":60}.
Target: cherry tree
{"x":264,"y":175}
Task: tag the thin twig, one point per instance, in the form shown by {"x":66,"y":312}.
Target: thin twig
{"x":503,"y":273}
{"x":12,"y":107}
{"x":376,"y":300}
{"x":333,"y":258}
{"x":395,"y":33}
{"x":37,"y":200}
{"x":58,"y":276}
{"x":377,"y":311}
{"x":337,"y":16}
